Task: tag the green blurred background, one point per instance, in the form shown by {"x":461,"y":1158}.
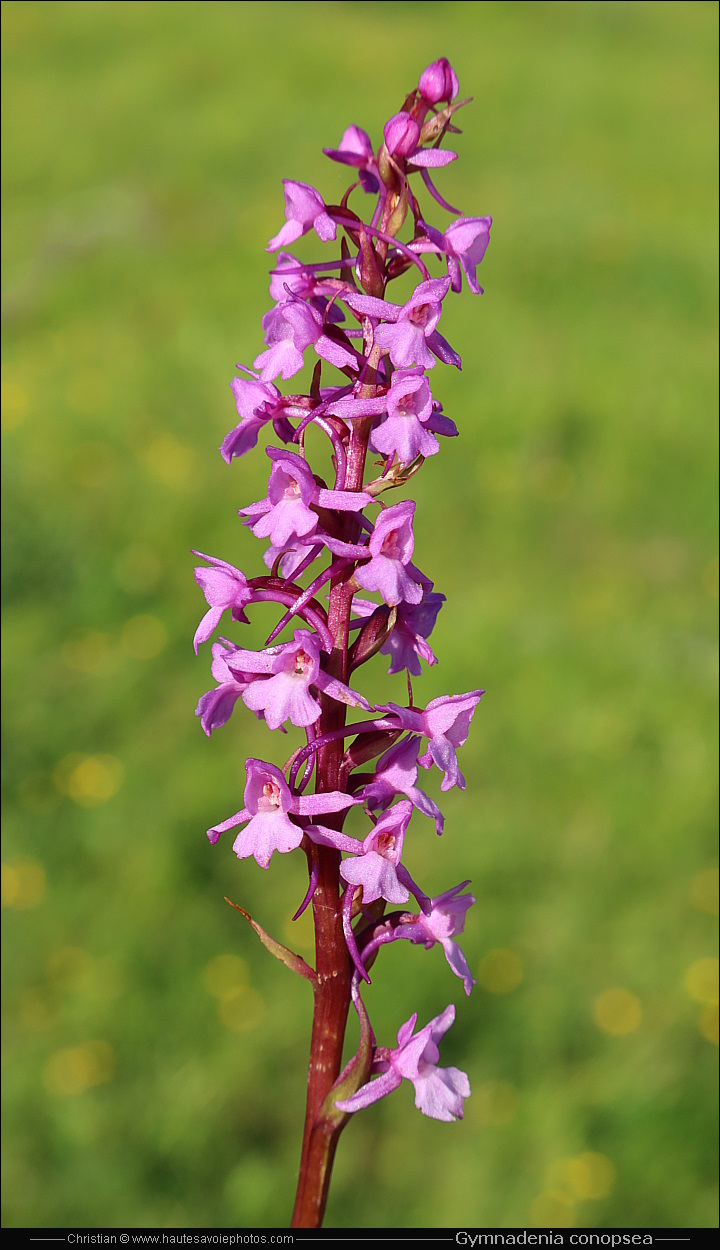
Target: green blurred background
{"x":155,"y":1054}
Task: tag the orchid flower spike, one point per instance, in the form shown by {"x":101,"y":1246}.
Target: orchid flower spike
{"x":340,"y":577}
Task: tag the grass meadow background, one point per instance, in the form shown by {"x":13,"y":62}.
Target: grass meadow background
{"x":155,"y":1055}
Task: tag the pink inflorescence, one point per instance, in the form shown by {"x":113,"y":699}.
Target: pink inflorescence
{"x":381,"y":358}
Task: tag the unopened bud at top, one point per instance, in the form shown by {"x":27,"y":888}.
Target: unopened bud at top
{"x":401,"y":135}
{"x":438,"y":82}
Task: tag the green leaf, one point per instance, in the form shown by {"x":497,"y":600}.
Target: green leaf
{"x":292,"y":961}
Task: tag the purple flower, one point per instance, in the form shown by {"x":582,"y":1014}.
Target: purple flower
{"x":356,"y":149}
{"x":224,"y":587}
{"x":396,"y":773}
{"x":257,"y":403}
{"x":467,"y":239}
{"x":375,"y":867}
{"x":439,"y":1092}
{"x":269,"y":805}
{"x":408,"y":331}
{"x":401,"y":135}
{"x":304,"y":210}
{"x":290,"y":328}
{"x":445,"y":919}
{"x":406,"y":644}
{"x":215,"y":707}
{"x":464,"y":243}
{"x":291,"y":557}
{"x":409,"y":407}
{"x":438,"y":82}
{"x":375,"y":863}
{"x":445,"y":722}
{"x":391,"y":546}
{"x":279,"y":681}
{"x":290,"y":278}
{"x":286,"y":514}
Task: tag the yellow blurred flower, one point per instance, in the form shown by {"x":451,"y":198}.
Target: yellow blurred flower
{"x":225,"y":975}
{"x":705,"y":891}
{"x":242,"y":1010}
{"x":79,"y":1068}
{"x":15,"y":404}
{"x":500,"y":971}
{"x":23,"y":884}
{"x":553,"y":1210}
{"x":90,"y":779}
{"x":709,"y":1024}
{"x":586,"y":1177}
{"x":701,"y":981}
{"x":144,"y":637}
{"x":617,"y":1012}
{"x":494,"y":1103}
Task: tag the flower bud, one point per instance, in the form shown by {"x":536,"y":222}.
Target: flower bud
{"x":401,"y":135}
{"x":438,"y":82}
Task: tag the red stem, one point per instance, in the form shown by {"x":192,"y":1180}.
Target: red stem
{"x":332,"y":962}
